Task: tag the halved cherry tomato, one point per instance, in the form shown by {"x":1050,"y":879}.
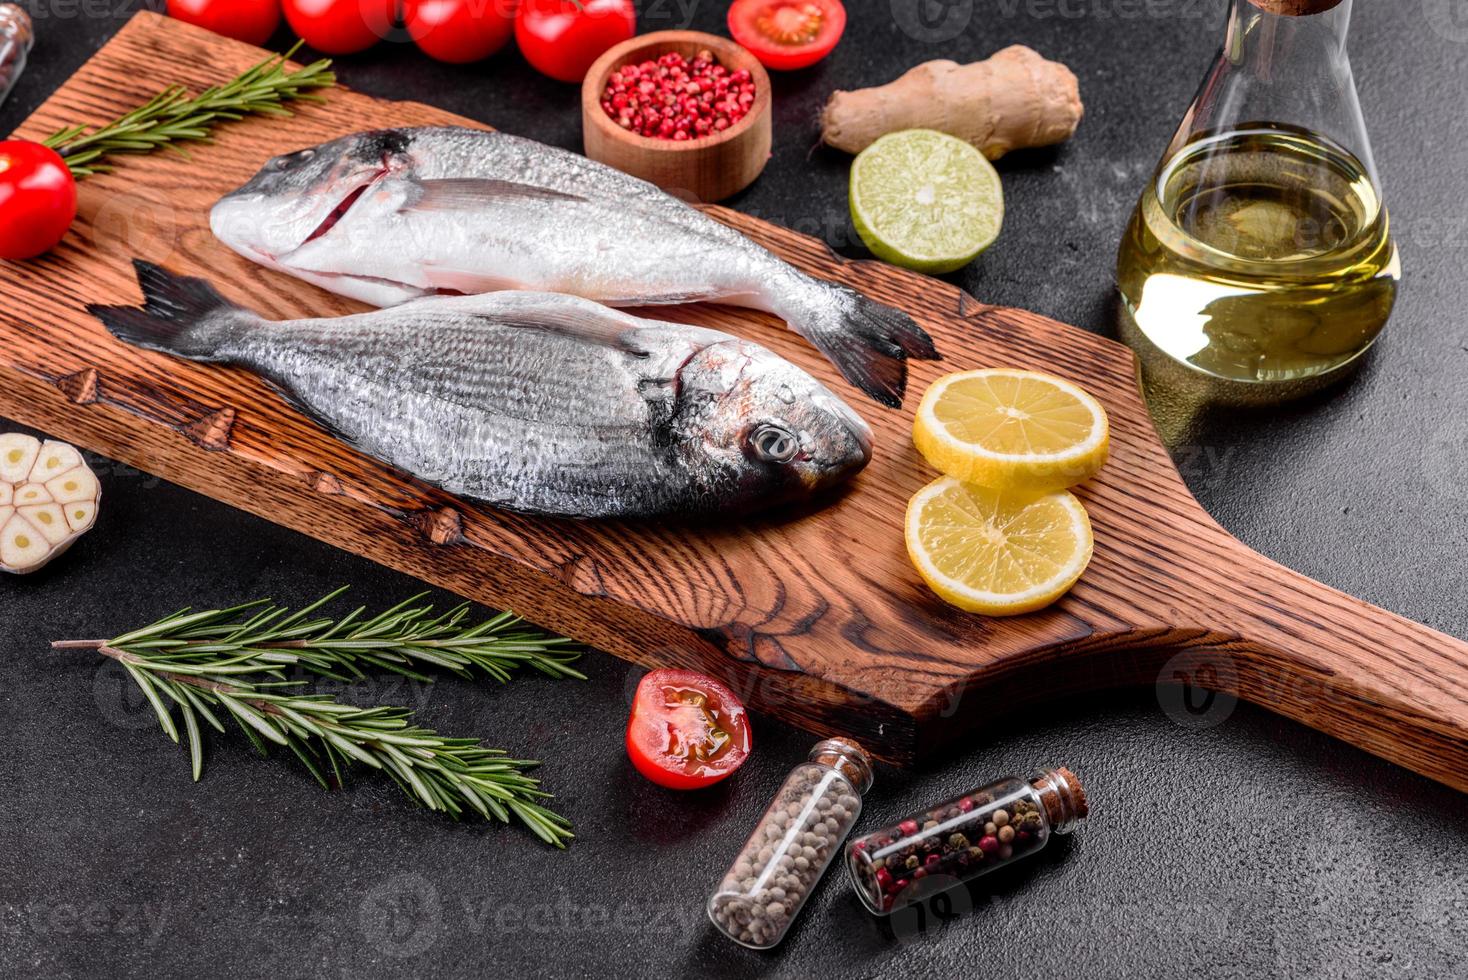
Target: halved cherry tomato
{"x":37,"y":199}
{"x":459,"y":31}
{"x":251,"y":21}
{"x":341,"y":26}
{"x":561,"y":38}
{"x":787,"y":34}
{"x":687,"y":731}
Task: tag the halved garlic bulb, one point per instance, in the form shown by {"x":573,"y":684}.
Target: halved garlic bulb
{"x":48,"y":499}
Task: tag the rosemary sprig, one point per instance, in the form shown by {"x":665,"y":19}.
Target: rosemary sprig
{"x":234,"y":661}
{"x":173,"y":116}
{"x":261,"y":637}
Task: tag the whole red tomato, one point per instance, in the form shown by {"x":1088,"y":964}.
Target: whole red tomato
{"x":37,"y":199}
{"x":687,"y":730}
{"x":341,"y":26}
{"x":251,"y":21}
{"x":561,"y":38}
{"x":459,"y":31}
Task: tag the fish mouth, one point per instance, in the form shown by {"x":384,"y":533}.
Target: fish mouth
{"x":334,"y":217}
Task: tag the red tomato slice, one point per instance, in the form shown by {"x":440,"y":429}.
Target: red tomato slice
{"x":787,"y":34}
{"x":562,"y":38}
{"x":251,"y":21}
{"x":687,"y":730}
{"x":459,"y":31}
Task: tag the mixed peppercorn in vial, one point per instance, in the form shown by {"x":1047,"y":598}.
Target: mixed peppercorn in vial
{"x":963,"y":838}
{"x":792,"y":845}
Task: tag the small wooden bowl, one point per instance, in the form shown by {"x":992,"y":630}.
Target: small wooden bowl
{"x":707,"y":169}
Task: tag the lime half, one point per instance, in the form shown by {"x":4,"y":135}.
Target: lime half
{"x":925,"y":200}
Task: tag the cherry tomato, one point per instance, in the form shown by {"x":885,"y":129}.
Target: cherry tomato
{"x":37,"y":199}
{"x":687,"y":730}
{"x":251,"y":21}
{"x":341,"y":26}
{"x":460,"y":31}
{"x":787,"y":34}
{"x":561,"y":38}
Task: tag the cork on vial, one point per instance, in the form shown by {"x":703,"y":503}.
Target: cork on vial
{"x":1295,"y":8}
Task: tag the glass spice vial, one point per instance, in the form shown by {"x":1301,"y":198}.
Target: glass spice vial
{"x":963,"y":838}
{"x":792,"y":845}
{"x":16,"y":37}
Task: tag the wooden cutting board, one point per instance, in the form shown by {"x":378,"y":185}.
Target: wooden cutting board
{"x":813,"y":615}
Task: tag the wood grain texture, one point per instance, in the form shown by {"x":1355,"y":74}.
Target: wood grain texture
{"x":814,"y":614}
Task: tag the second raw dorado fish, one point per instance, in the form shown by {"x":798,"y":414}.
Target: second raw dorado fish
{"x":544,"y":404}
{"x":394,"y":215}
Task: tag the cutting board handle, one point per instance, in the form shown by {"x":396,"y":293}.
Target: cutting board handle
{"x":1383,"y":683}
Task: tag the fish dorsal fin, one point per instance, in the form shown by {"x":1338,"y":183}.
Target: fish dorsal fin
{"x":466,"y":193}
{"x":606,"y":331}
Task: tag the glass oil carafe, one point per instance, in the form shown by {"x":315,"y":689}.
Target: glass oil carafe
{"x":1259,"y":265}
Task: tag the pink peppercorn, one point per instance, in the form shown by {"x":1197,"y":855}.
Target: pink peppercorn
{"x":677,"y":99}
{"x":908,"y":827}
{"x":988,"y":844}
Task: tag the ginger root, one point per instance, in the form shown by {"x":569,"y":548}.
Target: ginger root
{"x":48,"y":499}
{"x":1013,"y":100}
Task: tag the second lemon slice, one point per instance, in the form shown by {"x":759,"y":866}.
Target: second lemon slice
{"x":1012,"y":429}
{"x":997,"y":552}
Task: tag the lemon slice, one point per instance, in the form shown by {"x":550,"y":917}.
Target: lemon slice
{"x":925,"y":200}
{"x":997,"y":552}
{"x":1012,"y":429}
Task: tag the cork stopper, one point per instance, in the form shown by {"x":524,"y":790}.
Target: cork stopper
{"x":848,"y":758}
{"x":1295,"y":8}
{"x":1063,"y":798}
{"x":15,"y":24}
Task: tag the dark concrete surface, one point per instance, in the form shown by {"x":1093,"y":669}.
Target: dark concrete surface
{"x":1242,"y":846}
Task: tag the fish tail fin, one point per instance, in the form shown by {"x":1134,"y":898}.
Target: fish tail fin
{"x":180,"y":315}
{"x":867,"y":341}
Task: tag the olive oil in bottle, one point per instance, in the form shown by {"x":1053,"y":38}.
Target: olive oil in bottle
{"x":1259,"y":265}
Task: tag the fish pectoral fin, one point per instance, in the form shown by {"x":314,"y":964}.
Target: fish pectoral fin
{"x":467,"y":193}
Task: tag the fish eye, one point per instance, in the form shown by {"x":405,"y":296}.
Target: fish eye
{"x":291,"y":159}
{"x":773,"y":443}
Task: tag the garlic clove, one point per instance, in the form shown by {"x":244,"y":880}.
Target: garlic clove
{"x":54,"y":459}
{"x":49,"y":520}
{"x":18,"y":454}
{"x":48,"y":498}
{"x":79,"y":515}
{"x":32,"y":493}
{"x":22,"y":547}
{"x":79,"y":484}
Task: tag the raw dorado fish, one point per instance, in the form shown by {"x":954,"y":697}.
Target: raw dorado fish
{"x":394,"y":215}
{"x":539,"y":403}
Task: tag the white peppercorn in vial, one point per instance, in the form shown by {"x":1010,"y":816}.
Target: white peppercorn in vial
{"x":963,"y":838}
{"x":792,"y":845}
{"x":16,"y":37}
